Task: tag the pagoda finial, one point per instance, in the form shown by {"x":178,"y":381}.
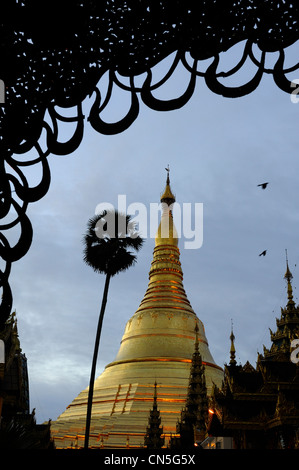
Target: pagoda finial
{"x":168,"y":196}
{"x":166,"y":233}
{"x":232,"y":361}
{"x":288,"y":276}
{"x":168,"y":170}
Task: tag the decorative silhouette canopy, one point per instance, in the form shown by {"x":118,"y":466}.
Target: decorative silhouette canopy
{"x":56,"y":57}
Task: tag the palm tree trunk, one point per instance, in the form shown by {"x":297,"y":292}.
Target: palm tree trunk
{"x":94,"y":361}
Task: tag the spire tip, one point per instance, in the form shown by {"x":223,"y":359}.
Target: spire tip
{"x":232,"y":361}
{"x":168,"y":196}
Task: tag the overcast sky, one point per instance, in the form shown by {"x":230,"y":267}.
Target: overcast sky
{"x":218,"y":151}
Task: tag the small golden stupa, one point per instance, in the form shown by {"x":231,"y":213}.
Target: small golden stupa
{"x":156,"y":348}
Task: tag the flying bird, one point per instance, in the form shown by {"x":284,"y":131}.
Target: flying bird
{"x":263,"y":185}
{"x":263,"y":253}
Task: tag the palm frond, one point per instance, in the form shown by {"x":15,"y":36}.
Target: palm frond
{"x":108,"y":240}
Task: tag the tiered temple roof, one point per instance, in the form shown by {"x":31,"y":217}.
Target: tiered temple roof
{"x":259,"y":406}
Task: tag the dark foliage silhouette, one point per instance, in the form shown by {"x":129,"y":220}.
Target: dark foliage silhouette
{"x":109,"y":245}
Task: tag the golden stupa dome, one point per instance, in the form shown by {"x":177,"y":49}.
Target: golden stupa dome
{"x":156,"y":348}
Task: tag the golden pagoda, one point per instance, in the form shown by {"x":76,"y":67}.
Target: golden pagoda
{"x":154,"y":357}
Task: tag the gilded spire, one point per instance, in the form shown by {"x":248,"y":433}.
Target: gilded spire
{"x":166,"y":233}
{"x":165,"y":318}
{"x":167,"y":195}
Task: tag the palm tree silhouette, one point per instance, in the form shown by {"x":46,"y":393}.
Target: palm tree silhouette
{"x":107,"y":243}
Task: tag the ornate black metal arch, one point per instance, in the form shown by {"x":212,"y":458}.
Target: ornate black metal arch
{"x":55,"y":53}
